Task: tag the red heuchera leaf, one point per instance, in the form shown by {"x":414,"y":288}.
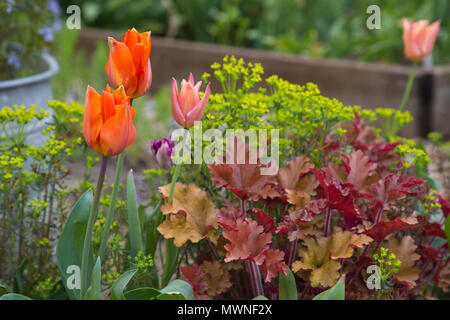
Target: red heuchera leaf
{"x":444,"y":197}
{"x":244,"y":180}
{"x":360,"y":170}
{"x":429,"y":254}
{"x":264,"y":219}
{"x":392,"y":188}
{"x":247,"y":240}
{"x":362,"y":137}
{"x":431,"y":228}
{"x":339,"y":195}
{"x":382,"y":229}
{"x":289,"y":176}
{"x":228,"y":213}
{"x":197,"y":279}
{"x":273,"y":264}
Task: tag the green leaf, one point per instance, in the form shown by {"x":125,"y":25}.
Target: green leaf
{"x":120,"y":284}
{"x":177,"y":290}
{"x":18,"y":284}
{"x":93,"y":292}
{"x":337,"y":292}
{"x":171,"y":262}
{"x":142,"y":294}
{"x":13,"y":296}
{"x":134,"y":224}
{"x":70,"y":244}
{"x":4,"y":288}
{"x":287,"y":287}
{"x":152,"y":234}
{"x":447,"y":228}
{"x":260,"y":298}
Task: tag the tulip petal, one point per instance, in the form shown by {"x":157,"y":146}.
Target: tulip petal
{"x":146,"y":40}
{"x":145,"y":81}
{"x":197,"y":112}
{"x":143,"y":69}
{"x":198,"y":86}
{"x":176,"y":109}
{"x":118,"y":132}
{"x":130,"y":38}
{"x":92,"y":122}
{"x":431,"y":36}
{"x":191,"y":79}
{"x":188,"y":97}
{"x":120,"y":96}
{"x":120,"y":67}
{"x":108,"y":105}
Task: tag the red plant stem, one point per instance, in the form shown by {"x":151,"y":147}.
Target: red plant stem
{"x":378,"y":216}
{"x":305,"y":290}
{"x":253,"y":270}
{"x":326,"y":230}
{"x":255,"y":279}
{"x":211,"y":249}
{"x":243,"y":210}
{"x":291,"y":253}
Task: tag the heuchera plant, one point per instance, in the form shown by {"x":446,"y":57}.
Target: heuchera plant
{"x":344,"y":192}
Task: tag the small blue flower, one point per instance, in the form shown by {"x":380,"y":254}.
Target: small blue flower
{"x":9,"y":5}
{"x":53,"y":7}
{"x":47,"y":32}
{"x":14,"y":60}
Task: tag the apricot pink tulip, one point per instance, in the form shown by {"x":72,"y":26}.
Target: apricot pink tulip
{"x":187,"y":106}
{"x":419,"y":38}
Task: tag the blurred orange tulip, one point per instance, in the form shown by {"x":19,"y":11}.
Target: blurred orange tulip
{"x":108,"y":121}
{"x":187,"y":106}
{"x":419,"y":38}
{"x":129,"y":63}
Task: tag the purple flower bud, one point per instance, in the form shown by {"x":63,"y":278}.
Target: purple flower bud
{"x":162,"y":151}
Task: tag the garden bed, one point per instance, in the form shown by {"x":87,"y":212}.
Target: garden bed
{"x":370,"y":85}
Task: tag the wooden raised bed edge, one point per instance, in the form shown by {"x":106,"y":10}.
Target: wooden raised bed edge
{"x":370,"y":85}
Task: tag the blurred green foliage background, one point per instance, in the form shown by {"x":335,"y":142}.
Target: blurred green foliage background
{"x":315,"y":28}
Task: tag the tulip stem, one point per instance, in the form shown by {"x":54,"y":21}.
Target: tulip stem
{"x":175,"y":175}
{"x":112,"y":206}
{"x":90,"y":227}
{"x":405,"y":97}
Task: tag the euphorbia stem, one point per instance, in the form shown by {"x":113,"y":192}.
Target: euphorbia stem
{"x":90,"y":227}
{"x":112,"y":206}
{"x":405,"y":97}
{"x":255,"y":275}
{"x":326,"y":230}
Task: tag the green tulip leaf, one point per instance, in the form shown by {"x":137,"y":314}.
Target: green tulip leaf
{"x":177,"y":290}
{"x":337,"y":292}
{"x":134,"y":224}
{"x":93,"y":292}
{"x":70,"y":244}
{"x":142,"y":294}
{"x":287,"y":287}
{"x":13,"y":296}
{"x":120,"y":284}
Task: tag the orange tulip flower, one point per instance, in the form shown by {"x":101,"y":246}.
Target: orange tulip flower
{"x":419,"y":38}
{"x":129,"y":63}
{"x":108,"y":121}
